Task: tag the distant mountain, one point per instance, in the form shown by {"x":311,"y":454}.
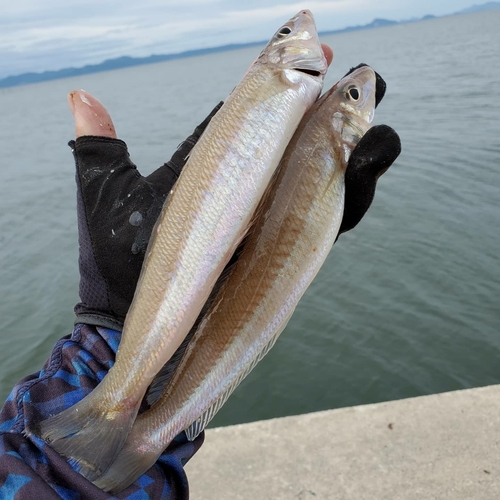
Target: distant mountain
{"x":110,"y":64}
{"x":376,"y":23}
{"x":479,"y":8}
{"x":126,"y":61}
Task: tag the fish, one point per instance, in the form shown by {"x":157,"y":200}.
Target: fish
{"x":205,"y":217}
{"x":298,"y":223}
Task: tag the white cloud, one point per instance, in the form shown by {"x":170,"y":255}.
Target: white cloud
{"x":37,"y":36}
{"x":31,"y":38}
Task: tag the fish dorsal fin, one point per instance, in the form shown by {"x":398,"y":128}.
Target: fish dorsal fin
{"x":200,"y":423}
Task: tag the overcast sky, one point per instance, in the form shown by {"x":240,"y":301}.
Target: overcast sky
{"x":54,"y":34}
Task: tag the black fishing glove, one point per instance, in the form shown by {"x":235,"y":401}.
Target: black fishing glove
{"x":373,"y":155}
{"x":117,"y":209}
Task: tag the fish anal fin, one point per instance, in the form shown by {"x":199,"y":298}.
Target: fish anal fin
{"x":200,"y":423}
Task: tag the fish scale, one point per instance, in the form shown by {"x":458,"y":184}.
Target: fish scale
{"x":207,"y":214}
{"x":283,"y":252}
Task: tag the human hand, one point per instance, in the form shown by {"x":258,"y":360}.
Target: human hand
{"x":373,"y":155}
{"x":117,"y":207}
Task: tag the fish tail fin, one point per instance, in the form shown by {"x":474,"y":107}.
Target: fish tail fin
{"x":127,"y":468}
{"x":88,"y":434}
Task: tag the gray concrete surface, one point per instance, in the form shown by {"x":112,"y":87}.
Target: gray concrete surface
{"x":445,"y":446}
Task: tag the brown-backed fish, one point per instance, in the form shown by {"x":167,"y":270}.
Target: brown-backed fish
{"x":283,"y":252}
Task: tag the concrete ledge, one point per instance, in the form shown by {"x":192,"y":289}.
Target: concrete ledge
{"x":444,"y":446}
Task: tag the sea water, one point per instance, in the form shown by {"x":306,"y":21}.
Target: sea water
{"x":407,"y":304}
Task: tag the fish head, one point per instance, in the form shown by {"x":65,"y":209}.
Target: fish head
{"x":295,"y":48}
{"x":352,"y":101}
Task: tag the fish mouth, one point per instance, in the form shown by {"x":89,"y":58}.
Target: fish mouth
{"x":315,"y":67}
{"x":311,"y":72}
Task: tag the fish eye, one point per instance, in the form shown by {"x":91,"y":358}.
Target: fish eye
{"x":284,"y":31}
{"x":353,"y":93}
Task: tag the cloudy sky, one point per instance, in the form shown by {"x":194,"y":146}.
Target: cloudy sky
{"x":54,"y":34}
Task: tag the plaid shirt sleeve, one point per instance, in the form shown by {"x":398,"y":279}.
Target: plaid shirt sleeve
{"x":29,"y":468}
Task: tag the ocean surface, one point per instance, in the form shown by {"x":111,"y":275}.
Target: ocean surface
{"x":407,"y":304}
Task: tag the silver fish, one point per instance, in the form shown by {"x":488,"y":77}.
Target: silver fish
{"x":206,"y":216}
{"x":283,"y":252}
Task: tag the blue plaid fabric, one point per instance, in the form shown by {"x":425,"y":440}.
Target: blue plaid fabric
{"x":29,"y":468}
